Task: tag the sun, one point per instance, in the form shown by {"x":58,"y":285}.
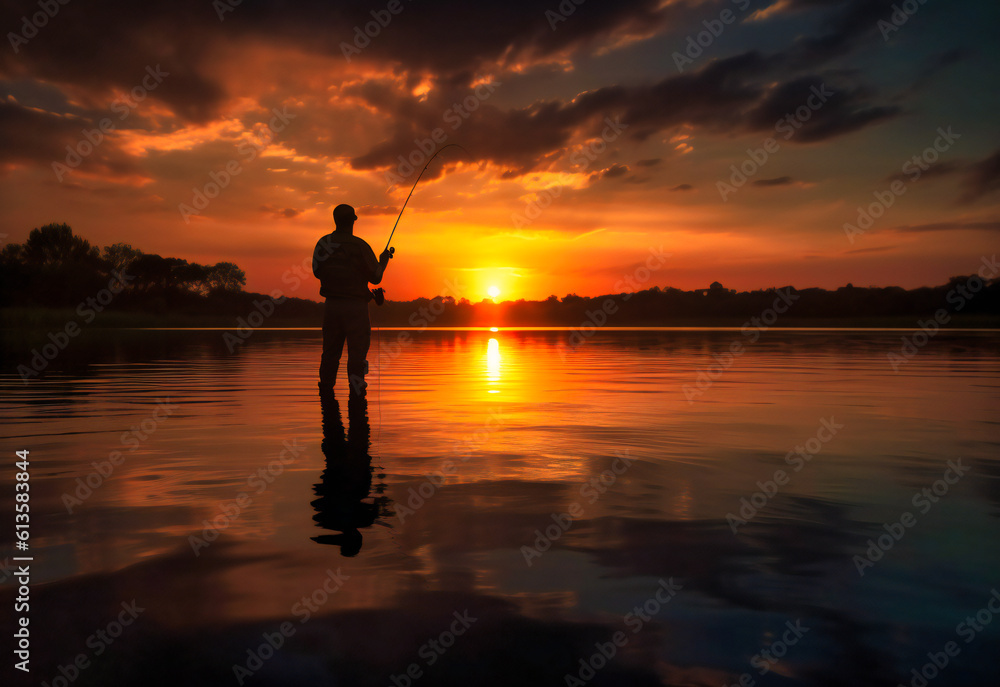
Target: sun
{"x":493,"y":292}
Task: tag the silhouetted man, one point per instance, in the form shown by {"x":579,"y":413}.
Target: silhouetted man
{"x":345,"y":264}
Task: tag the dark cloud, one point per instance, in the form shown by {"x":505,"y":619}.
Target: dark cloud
{"x":30,"y":135}
{"x":376,"y":210}
{"x":777,"y":181}
{"x":845,"y":25}
{"x":726,"y":96}
{"x":934,"y":171}
{"x":875,"y":249}
{"x":982,"y":178}
{"x":813,"y":108}
{"x":949,"y":226}
{"x":93,"y":51}
{"x":932,"y":66}
{"x":977,"y":179}
{"x":441,"y":36}
{"x":683,"y":187}
{"x":286,"y":213}
{"x":614,"y":170}
{"x":96,"y":48}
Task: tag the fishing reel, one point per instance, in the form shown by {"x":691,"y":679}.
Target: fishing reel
{"x":379,"y":295}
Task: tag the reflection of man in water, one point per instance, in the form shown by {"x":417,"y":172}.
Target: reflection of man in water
{"x":345,"y":264}
{"x":347,"y":480}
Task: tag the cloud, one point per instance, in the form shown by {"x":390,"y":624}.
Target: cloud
{"x":933,"y":65}
{"x":683,"y":187}
{"x":814,"y":108}
{"x":875,"y":249}
{"x":736,"y":94}
{"x":777,"y":181}
{"x":280,"y":213}
{"x":37,"y":137}
{"x":982,"y":178}
{"x":376,"y":210}
{"x":949,"y":226}
{"x":96,"y":50}
{"x":978,"y":179}
{"x":614,"y":170}
{"x":843,"y":28}
{"x":407,"y":78}
{"x":934,"y":171}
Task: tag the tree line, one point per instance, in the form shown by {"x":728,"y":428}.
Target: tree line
{"x":54,"y":268}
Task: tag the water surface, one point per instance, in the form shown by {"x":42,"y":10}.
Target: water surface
{"x":237,"y":496}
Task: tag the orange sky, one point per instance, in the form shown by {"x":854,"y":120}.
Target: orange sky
{"x":536,"y":127}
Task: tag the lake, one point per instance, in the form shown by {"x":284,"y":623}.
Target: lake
{"x":628,"y":507}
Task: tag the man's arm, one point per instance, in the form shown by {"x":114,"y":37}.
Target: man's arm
{"x":377,"y":267}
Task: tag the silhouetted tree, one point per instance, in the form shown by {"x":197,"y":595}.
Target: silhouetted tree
{"x":120,"y":256}
{"x":226,"y":276}
{"x":61,"y":268}
{"x":190,"y":277}
{"x":55,"y":246}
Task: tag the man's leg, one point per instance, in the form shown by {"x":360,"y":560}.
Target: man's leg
{"x":334,"y":334}
{"x":359,"y":338}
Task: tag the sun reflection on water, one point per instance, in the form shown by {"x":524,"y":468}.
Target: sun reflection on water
{"x":493,"y":364}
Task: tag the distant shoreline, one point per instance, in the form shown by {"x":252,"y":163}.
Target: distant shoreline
{"x":46,"y":319}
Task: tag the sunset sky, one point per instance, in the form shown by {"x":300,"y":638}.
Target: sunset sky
{"x":588,"y":139}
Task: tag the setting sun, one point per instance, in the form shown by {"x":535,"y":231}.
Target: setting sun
{"x":493,"y":292}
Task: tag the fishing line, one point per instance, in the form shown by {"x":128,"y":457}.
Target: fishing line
{"x":450,"y":145}
{"x":378,"y":383}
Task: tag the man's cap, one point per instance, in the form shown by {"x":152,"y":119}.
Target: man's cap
{"x":343,"y":212}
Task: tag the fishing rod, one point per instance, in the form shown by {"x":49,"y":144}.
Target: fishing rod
{"x":450,"y":145}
